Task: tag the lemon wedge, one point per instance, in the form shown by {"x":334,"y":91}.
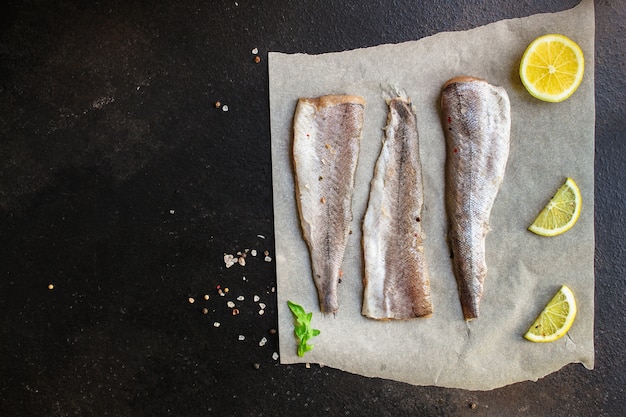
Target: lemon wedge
{"x":552,"y":67}
{"x":556,"y":318}
{"x":561,"y":212}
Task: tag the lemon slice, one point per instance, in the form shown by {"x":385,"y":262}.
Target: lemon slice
{"x":552,"y":67}
{"x":561,"y":212}
{"x":556,"y":318}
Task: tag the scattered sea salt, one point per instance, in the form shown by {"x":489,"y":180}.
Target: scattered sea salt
{"x":263,"y":341}
{"x":241,"y":337}
{"x":275,"y":355}
{"x":256,"y":298}
{"x":216,"y":324}
{"x":230,"y":304}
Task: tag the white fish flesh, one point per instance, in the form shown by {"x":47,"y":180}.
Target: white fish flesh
{"x":327,"y":136}
{"x":396,"y":282}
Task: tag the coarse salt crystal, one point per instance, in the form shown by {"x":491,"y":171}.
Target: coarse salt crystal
{"x":268,"y":259}
{"x":263,"y":341}
{"x":262,"y":305}
{"x":253,"y":252}
{"x":275,"y":355}
{"x":224,"y":107}
{"x":241,"y":337}
{"x":256,"y":298}
{"x":240,"y":298}
{"x":172,"y":212}
{"x":216,"y":324}
{"x":191,"y":300}
{"x":242,"y":261}
{"x":206,"y":296}
{"x":255,"y":51}
{"x":229,"y":260}
{"x":230,"y":304}
{"x":261,"y":312}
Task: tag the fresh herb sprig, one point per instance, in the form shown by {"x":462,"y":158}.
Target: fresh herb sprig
{"x":302,"y":327}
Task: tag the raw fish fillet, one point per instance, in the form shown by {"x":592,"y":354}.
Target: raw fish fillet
{"x":477,"y":123}
{"x":396,"y":283}
{"x":327,"y":135}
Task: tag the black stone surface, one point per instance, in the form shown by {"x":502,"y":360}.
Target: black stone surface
{"x":123,"y":186}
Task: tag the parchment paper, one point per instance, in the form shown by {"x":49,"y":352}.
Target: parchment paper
{"x":549,"y":142}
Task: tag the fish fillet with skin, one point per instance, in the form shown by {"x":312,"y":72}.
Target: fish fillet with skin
{"x":477,"y":123}
{"x":396,"y":284}
{"x":327,"y":136}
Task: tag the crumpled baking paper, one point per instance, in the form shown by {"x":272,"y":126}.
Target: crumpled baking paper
{"x":549,"y":142}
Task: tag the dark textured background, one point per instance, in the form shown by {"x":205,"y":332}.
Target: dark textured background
{"x":123,"y":185}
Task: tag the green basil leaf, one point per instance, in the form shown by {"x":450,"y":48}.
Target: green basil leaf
{"x":302,"y":327}
{"x":296,"y":309}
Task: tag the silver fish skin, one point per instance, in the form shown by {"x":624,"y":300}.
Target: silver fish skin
{"x":396,"y":282}
{"x":476,"y":119}
{"x":327,"y":137}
